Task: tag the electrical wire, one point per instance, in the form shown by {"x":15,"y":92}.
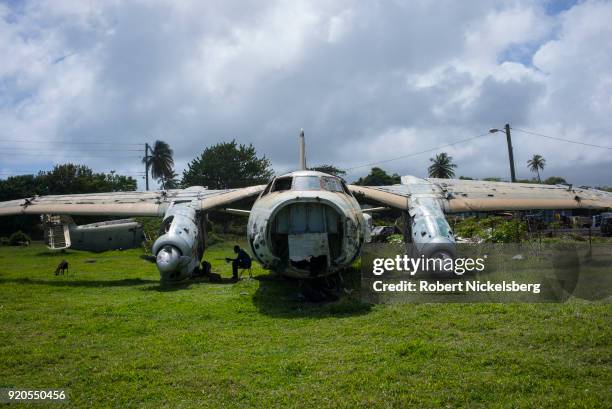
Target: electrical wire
{"x":417,"y":153}
{"x":561,"y":139}
{"x":67,"y":150}
{"x":68,"y":157}
{"x":24,"y":173}
{"x":46,"y":141}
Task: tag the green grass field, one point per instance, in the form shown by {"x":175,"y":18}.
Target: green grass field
{"x":111,"y":335}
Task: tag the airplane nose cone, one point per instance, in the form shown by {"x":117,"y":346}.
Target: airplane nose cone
{"x":168,"y":259}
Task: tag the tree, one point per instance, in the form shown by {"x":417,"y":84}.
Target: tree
{"x":118,"y":183}
{"x":18,"y":187}
{"x":170,"y":182}
{"x":378,"y":177}
{"x":63,"y":179}
{"x":330,"y":169}
{"x":535,"y":164}
{"x":441,"y":166}
{"x":69,"y":179}
{"x":160,"y":162}
{"x":227,"y":165}
{"x":555,"y":180}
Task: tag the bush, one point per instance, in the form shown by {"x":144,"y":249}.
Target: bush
{"x":4,"y":241}
{"x":19,"y":238}
{"x":508,"y":231}
{"x":213,"y":238}
{"x":228,"y":224}
{"x":150,"y":226}
{"x":491,"y":229}
{"x":395,"y":239}
{"x":470,"y":227}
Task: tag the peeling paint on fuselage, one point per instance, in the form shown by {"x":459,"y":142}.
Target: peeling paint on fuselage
{"x":268,"y":206}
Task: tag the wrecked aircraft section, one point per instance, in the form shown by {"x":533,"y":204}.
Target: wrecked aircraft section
{"x":61,"y":233}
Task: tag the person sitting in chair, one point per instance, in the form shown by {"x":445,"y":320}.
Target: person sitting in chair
{"x":243,"y":260}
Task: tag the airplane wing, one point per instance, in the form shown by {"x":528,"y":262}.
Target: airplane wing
{"x":153,"y":203}
{"x":457,"y":195}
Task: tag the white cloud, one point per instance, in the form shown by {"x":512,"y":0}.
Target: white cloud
{"x":577,"y":66}
{"x":367,"y":80}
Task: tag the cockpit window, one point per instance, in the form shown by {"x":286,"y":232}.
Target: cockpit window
{"x":306,"y":183}
{"x":166,"y":225}
{"x":281,"y":184}
{"x":331,"y":184}
{"x":328,"y":183}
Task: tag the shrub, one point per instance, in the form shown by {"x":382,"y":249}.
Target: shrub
{"x":18,"y":238}
{"x":508,"y":231}
{"x":470,"y":227}
{"x":213,"y":238}
{"x":150,"y":226}
{"x":395,"y":239}
{"x":492,"y":229}
{"x":4,"y":241}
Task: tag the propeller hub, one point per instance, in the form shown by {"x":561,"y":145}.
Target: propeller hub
{"x":168,"y":259}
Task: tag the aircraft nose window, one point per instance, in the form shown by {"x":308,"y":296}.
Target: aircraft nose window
{"x":331,"y":184}
{"x":306,"y":183}
{"x":282,"y":184}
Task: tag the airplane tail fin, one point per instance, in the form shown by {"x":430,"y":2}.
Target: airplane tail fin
{"x":302,"y":149}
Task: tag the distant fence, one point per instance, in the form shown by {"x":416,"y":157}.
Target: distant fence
{"x":582,"y":231}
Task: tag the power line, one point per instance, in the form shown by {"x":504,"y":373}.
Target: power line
{"x":70,"y":142}
{"x":417,"y":153}
{"x":69,"y":157}
{"x":36,"y":172}
{"x":562,"y":139}
{"x":38,"y":150}
{"x":50,"y":170}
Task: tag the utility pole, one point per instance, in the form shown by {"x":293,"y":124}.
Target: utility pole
{"x":510,"y":154}
{"x":147,"y":166}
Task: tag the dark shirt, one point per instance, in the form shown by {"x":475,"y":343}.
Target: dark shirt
{"x":243,"y":258}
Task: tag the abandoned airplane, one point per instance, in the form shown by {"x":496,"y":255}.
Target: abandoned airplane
{"x":308,"y":224}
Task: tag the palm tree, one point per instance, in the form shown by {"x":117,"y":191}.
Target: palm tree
{"x":536,"y":164}
{"x":160,"y":162}
{"x":441,"y":166}
{"x":170,"y":182}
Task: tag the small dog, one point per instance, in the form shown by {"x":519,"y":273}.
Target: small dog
{"x":62,"y":267}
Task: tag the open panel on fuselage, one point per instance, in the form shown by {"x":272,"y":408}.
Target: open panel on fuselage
{"x":308,"y":236}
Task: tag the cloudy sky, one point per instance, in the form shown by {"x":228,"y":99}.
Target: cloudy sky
{"x":87,"y":81}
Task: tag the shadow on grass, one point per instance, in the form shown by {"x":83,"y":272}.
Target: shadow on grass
{"x":186,"y":284}
{"x":282,"y":297}
{"x":55,"y":253}
{"x":127,"y":282}
{"x":168,"y":287}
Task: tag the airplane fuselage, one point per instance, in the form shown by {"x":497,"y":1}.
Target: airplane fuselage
{"x":306,"y":233}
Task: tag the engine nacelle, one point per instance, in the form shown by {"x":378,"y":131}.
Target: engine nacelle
{"x":180,"y":246}
{"x":430,"y":232}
